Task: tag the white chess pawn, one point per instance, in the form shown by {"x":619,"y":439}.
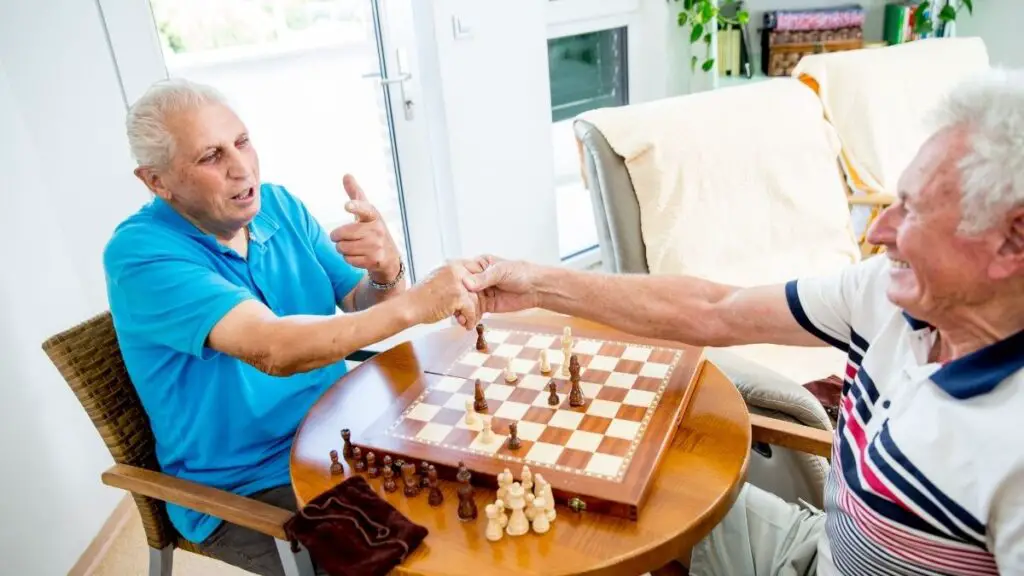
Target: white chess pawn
{"x":502,"y":517}
{"x":504,"y":480}
{"x":510,"y":374}
{"x":487,"y":436}
{"x":527,"y":479}
{"x":549,"y":502}
{"x":541,"y":524}
{"x":517,"y":524}
{"x":470,"y":413}
{"x":493,"y":532}
{"x":545,"y":366}
{"x":530,"y":510}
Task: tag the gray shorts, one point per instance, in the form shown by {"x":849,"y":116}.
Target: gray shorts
{"x":761,"y":535}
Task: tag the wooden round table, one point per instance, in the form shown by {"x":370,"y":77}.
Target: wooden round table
{"x":696,"y":482}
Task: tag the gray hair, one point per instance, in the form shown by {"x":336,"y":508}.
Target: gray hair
{"x":991,"y":107}
{"x":151,"y":143}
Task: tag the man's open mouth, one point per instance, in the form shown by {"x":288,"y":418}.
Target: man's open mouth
{"x":244,"y":195}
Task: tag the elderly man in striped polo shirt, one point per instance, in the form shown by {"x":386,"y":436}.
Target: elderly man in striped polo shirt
{"x":928,"y":462}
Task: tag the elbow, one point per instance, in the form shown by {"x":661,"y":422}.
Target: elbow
{"x":275,"y":357}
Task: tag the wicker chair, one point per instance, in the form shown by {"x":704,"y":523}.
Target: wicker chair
{"x":88,"y":357}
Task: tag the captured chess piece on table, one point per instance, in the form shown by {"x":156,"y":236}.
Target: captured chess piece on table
{"x":371,"y":465}
{"x":436,"y":497}
{"x":389,"y":479}
{"x":346,"y":435}
{"x":335,"y":465}
{"x":412,"y":484}
{"x":467,"y":506}
{"x":357,"y":455}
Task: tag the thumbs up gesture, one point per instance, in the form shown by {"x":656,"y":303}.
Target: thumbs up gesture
{"x":366,"y":243}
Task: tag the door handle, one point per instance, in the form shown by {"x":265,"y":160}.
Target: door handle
{"x":404,"y":77}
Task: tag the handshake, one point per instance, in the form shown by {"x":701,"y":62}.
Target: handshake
{"x":466,"y":289}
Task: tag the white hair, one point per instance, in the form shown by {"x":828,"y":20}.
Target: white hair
{"x":991,"y":107}
{"x":149,"y":139}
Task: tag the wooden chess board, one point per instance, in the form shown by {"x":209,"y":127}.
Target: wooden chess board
{"x":604,"y":453}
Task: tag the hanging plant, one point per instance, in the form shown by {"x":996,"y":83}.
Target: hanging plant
{"x":925,"y":23}
{"x":702,"y":17}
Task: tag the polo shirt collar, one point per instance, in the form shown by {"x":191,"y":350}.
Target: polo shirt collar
{"x":261,"y":228}
{"x":916,"y":324}
{"x":981,"y":371}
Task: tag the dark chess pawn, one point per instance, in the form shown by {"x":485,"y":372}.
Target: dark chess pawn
{"x":386,"y":462}
{"x":399,"y":467}
{"x":467,"y":505}
{"x":436,"y":498}
{"x":389,"y":479}
{"x":346,"y":435}
{"x":424,"y":475}
{"x":479,"y":402}
{"x":481,"y":342}
{"x":513,"y":437}
{"x":412,"y":484}
{"x":371,"y":465}
{"x":335,"y":465}
{"x":553,"y":399}
{"x":357,"y":455}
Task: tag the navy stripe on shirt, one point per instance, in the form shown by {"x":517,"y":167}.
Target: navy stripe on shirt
{"x":797,"y":309}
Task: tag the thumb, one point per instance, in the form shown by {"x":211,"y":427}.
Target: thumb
{"x":486,"y":279}
{"x":352,"y":188}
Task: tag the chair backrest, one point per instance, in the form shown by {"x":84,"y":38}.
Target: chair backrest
{"x":88,"y":357}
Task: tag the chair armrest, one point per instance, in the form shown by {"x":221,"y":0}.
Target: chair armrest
{"x":871,"y":200}
{"x":790,"y":435}
{"x":245,"y":512}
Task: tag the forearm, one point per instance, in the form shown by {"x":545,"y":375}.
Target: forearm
{"x":366,"y":296}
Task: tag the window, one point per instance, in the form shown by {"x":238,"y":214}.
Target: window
{"x":587,"y":71}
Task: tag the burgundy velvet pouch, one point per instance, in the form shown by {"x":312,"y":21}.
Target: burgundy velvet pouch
{"x":351,"y":531}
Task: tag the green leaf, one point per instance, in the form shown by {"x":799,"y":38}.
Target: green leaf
{"x":707,"y":38}
{"x":688,"y":5}
{"x":684,"y":18}
{"x":693,"y":63}
{"x":708,"y":64}
{"x":743,"y":17}
{"x":948,"y":13}
{"x":696,"y":33}
{"x":708,"y":12}
{"x":970,"y":6}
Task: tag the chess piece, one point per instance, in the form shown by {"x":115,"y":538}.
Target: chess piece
{"x":574,"y":368}
{"x":471,"y":418}
{"x":541,"y":524}
{"x":513,"y":437}
{"x":481,"y":342}
{"x":517,"y":523}
{"x":412,"y":485}
{"x":389,"y":479}
{"x":549,"y":501}
{"x":502,"y":517}
{"x":487,"y":433}
{"x":529,"y":510}
{"x":504,"y":481}
{"x":335,"y":465}
{"x":494,"y":531}
{"x":346,"y":435}
{"x":566,"y":351}
{"x":467,"y":505}
{"x":398,"y":466}
{"x":436,"y":498}
{"x":371,"y":465}
{"x":553,"y":399}
{"x":576,"y":398}
{"x":357,"y":455}
{"x":386,"y":462}
{"x":479,"y":402}
{"x":545,"y":366}
{"x":424,"y":475}
{"x":510,"y":374}
{"x":526,"y":476}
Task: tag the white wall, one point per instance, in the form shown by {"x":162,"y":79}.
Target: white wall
{"x":66,"y":181}
{"x":998,"y":23}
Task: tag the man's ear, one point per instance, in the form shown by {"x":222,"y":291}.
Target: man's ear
{"x":1010,"y":259}
{"x":153,"y":180}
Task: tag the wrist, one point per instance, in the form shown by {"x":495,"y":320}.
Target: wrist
{"x":387,"y":276}
{"x":542,"y":282}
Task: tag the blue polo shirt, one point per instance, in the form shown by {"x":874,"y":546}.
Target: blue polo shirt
{"x":217,"y":420}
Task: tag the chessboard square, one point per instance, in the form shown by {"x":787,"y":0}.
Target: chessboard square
{"x":595,"y":424}
{"x":663,"y":356}
{"x":462,"y":370}
{"x":424,"y":412}
{"x":539,"y":415}
{"x":590,"y":389}
{"x":639,"y":398}
{"x":462,"y":437}
{"x":490,"y":448}
{"x":508,"y":350}
{"x":448,"y":384}
{"x":449,"y":416}
{"x":621,"y":380}
{"x":496,"y":336}
{"x":476,"y":426}
{"x":512,"y":410}
{"x":589,"y":347}
{"x":654,"y":370}
{"x":544,"y":453}
{"x":606,"y":363}
{"x":614,"y":446}
{"x":498,"y":391}
{"x":604,"y":464}
{"x":530,"y":430}
{"x":524,"y":448}
{"x":519,"y":338}
{"x":540,"y":341}
{"x":595,"y":376}
{"x":473,"y":359}
{"x":523,"y":395}
{"x":435,"y":397}
{"x":498,"y":362}
{"x":533,"y":382}
{"x":636,"y":353}
{"x":585,"y":441}
{"x":566,"y":419}
{"x":552,"y":435}
{"x":612,"y":349}
{"x":434,"y":432}
{"x":624,"y":429}
{"x":574,"y":459}
{"x":458,"y":401}
{"x":486,"y":374}
{"x":603,"y":408}
{"x":649,"y":384}
{"x":612,"y":394}
{"x":406,"y":428}
{"x":521,"y":366}
{"x":629,"y":366}
{"x":541,"y":401}
{"x":632,"y":413}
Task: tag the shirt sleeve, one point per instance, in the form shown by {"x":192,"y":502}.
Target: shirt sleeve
{"x":165,"y":298}
{"x":344,"y":277}
{"x":1006,"y":526}
{"x":826,"y":305}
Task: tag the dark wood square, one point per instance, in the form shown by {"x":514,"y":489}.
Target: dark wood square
{"x":612,"y":394}
{"x":595,"y":376}
{"x":436,"y":397}
{"x":539,"y":415}
{"x":460,"y":437}
{"x":647,"y":383}
{"x":661,"y":356}
{"x":576,"y":459}
{"x":634,"y":413}
{"x":462,"y":370}
{"x":555,"y":435}
{"x":629,"y":366}
{"x":500,"y":425}
{"x":518,"y":338}
{"x":523,"y":450}
{"x":448,"y":416}
{"x":612,"y":349}
{"x":525,"y":395}
{"x":614,"y":446}
{"x":409,"y":427}
{"x":595,"y":424}
{"x":531,"y":354}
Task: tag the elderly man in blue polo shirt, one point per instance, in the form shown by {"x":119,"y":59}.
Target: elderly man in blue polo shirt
{"x":927,"y":472}
{"x":224,"y":292}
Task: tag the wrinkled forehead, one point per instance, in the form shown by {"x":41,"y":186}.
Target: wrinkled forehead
{"x":934,"y":172}
{"x":208,"y":125}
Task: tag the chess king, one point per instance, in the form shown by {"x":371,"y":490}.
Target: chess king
{"x":934,"y":328}
{"x":224,"y":292}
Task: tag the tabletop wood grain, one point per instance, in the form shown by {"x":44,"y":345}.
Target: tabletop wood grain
{"x":695,"y":485}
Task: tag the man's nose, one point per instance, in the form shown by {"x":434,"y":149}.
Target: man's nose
{"x":883,"y":230}
{"x":238,"y":166}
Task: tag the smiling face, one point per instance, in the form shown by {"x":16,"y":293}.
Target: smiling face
{"x":937,"y":270}
{"x":213,"y":177}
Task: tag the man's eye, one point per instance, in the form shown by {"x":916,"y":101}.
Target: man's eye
{"x":243,"y":141}
{"x":208,"y":158}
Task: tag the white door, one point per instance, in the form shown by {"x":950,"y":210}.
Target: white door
{"x":325,"y":87}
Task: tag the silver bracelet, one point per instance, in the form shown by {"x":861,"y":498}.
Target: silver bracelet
{"x":393,"y":283}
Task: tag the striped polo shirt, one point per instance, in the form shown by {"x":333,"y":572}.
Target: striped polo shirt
{"x":927,"y":472}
